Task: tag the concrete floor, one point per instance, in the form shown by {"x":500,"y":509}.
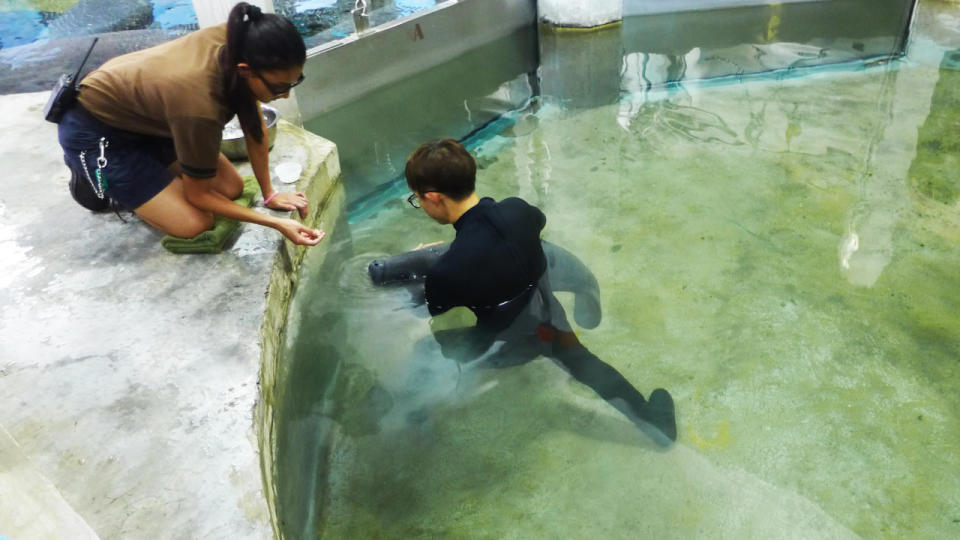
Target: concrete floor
{"x":128,"y":375}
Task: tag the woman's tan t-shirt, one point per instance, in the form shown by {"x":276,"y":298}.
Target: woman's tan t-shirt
{"x":173,"y":90}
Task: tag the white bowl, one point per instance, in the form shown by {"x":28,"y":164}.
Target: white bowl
{"x":288,"y":172}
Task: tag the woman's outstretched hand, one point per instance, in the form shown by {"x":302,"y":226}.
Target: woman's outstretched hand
{"x":289,"y":201}
{"x":299,"y":233}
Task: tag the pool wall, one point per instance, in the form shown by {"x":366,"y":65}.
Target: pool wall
{"x":325,"y":191}
{"x":876,"y":28}
{"x":647,"y":7}
{"x":593,"y":13}
{"x":348,"y":69}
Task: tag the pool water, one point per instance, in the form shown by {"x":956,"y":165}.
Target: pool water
{"x":778,"y":252}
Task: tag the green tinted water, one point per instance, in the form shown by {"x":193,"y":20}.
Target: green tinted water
{"x":782,"y":255}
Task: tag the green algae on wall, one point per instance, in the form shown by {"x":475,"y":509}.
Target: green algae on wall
{"x":324,"y":189}
{"x":934,"y":172}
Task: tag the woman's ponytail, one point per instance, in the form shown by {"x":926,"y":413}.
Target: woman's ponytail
{"x":265,"y":42}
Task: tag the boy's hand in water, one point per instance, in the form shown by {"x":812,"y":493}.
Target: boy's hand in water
{"x":299,"y":233}
{"x":431,"y":244}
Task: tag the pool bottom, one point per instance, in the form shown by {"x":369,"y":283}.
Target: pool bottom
{"x":814,"y":376}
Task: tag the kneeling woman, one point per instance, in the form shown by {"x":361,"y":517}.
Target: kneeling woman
{"x":147,"y":126}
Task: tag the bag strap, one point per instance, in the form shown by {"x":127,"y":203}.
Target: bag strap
{"x":87,"y":56}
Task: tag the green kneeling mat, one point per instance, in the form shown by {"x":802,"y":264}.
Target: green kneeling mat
{"x":213,"y":240}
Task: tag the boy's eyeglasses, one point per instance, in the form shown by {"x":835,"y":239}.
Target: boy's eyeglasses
{"x":413,"y":200}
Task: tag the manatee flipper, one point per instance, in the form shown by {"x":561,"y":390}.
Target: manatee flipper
{"x":568,"y":273}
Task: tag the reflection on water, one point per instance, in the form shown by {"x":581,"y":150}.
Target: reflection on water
{"x":780,"y":252}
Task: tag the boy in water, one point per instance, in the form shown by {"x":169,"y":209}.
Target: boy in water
{"x":497,"y":268}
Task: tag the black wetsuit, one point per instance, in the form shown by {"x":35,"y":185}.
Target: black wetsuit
{"x":493,"y":265}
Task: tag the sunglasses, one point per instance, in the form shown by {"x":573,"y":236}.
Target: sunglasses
{"x":279,"y":88}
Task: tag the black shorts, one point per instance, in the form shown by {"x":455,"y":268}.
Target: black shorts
{"x":137,"y":166}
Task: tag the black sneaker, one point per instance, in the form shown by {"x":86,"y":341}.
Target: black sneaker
{"x":659,"y":413}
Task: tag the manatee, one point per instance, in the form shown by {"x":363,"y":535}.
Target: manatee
{"x":565,"y":272}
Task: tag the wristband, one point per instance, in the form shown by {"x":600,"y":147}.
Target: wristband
{"x":270,"y":198}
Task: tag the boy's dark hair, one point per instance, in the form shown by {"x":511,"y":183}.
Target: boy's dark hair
{"x":444,"y":166}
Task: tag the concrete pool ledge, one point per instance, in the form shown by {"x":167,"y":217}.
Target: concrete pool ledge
{"x":136,"y":385}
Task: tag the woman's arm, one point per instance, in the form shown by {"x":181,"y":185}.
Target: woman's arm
{"x":259,"y":154}
{"x":199,"y":193}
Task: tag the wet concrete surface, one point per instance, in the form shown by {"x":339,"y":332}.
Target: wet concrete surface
{"x":128,"y":375}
